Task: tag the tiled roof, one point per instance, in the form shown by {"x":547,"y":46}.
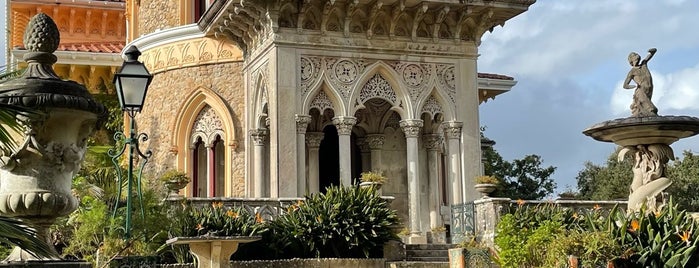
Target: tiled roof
{"x":98,"y":47}
{"x":495,"y":76}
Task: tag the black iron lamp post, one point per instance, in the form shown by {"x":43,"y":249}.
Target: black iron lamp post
{"x":131,"y":82}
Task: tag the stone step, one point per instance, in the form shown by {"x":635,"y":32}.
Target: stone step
{"x":416,"y":264}
{"x":427,"y":252}
{"x":429,"y":246}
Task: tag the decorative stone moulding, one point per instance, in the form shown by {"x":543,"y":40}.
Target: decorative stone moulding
{"x":35,"y":177}
{"x":632,"y":131}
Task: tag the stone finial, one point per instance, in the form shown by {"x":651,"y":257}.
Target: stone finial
{"x":42,"y":34}
{"x":41,"y":39}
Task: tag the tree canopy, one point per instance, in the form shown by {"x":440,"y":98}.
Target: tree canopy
{"x":521,"y":178}
{"x":611,"y":180}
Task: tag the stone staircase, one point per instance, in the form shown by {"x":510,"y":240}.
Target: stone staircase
{"x":423,"y":256}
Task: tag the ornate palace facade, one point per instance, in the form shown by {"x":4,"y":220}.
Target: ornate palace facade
{"x":273,"y":99}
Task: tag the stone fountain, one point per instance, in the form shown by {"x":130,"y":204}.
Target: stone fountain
{"x":645,"y":135}
{"x":35,"y":178}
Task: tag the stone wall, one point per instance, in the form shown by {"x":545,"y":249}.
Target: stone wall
{"x":158,"y":15}
{"x":164,"y":102}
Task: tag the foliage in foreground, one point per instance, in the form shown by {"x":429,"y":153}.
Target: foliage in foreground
{"x":664,"y":238}
{"x":344,"y":222}
{"x":611,"y":180}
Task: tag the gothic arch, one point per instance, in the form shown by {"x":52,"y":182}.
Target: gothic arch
{"x":315,"y":98}
{"x":436,"y":95}
{"x":400,"y":105}
{"x":186,"y":117}
{"x":259,"y":87}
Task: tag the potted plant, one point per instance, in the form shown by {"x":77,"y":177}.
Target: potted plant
{"x":486,"y":185}
{"x":470,"y":253}
{"x":439,"y":235}
{"x":373,"y":179}
{"x":174,"y":180}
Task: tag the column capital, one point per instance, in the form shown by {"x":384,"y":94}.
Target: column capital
{"x":453,"y":129}
{"x":432,"y":142}
{"x":258,"y":136}
{"x":313,"y":139}
{"x":363,"y":145}
{"x":302,"y":123}
{"x":344,"y":124}
{"x":375,"y":141}
{"x":411,"y":127}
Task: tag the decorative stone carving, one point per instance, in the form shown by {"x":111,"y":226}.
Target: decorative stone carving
{"x":190,"y":52}
{"x":311,"y":70}
{"x":648,"y":173}
{"x":258,"y":136}
{"x":363,"y":145}
{"x":446,"y":78}
{"x":432,"y":107}
{"x":375,"y":141}
{"x":411,"y":127}
{"x":432,"y":142}
{"x":302,"y":123}
{"x":207,"y":126}
{"x":343,"y":73}
{"x":321,"y":102}
{"x":378,"y":87}
{"x":440,"y":24}
{"x":313,"y":139}
{"x":453,"y":129}
{"x":642,"y":105}
{"x":344,"y":124}
{"x":35,"y":177}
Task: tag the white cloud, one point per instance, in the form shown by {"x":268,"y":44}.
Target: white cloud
{"x":672,"y":91}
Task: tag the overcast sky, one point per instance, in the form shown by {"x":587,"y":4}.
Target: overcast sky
{"x":570,"y":59}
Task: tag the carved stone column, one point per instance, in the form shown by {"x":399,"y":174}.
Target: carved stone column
{"x":258,"y":137}
{"x":365,"y":153}
{"x":376,"y":142}
{"x":211,"y":170}
{"x":411,"y":128}
{"x":432,"y":143}
{"x":301,"y":125}
{"x":453,"y":134}
{"x":313,"y":140}
{"x":344,"y":125}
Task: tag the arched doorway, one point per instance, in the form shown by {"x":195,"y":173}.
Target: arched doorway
{"x":329,"y":159}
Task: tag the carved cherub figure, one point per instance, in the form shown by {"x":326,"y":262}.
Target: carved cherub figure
{"x":642,"y":105}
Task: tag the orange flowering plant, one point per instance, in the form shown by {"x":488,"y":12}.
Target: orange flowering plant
{"x":219,"y":220}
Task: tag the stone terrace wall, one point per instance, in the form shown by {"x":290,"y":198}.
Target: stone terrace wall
{"x":164,"y":101}
{"x":158,"y":14}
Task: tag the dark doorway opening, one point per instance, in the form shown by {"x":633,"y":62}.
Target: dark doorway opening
{"x":329,"y":159}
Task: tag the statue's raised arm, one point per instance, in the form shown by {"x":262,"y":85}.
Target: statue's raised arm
{"x":642,"y":105}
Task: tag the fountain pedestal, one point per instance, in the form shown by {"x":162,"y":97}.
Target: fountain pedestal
{"x":648,"y":140}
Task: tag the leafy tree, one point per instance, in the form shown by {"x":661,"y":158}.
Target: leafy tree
{"x":522,"y":178}
{"x":605,"y":182}
{"x":612,"y":179}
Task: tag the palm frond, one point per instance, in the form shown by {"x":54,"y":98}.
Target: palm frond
{"x":9,"y":123}
{"x":17,"y":233}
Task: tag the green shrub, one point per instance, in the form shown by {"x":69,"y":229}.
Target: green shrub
{"x":344,"y":222}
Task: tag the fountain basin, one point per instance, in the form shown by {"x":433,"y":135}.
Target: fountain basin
{"x":632,"y":131}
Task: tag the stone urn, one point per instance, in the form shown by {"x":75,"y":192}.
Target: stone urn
{"x":36,"y":176}
{"x":485,"y":188}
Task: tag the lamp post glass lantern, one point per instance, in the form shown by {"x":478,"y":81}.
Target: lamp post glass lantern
{"x":131,"y":84}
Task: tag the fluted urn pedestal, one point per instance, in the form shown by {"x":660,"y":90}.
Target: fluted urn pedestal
{"x":648,"y":140}
{"x":35,"y":178}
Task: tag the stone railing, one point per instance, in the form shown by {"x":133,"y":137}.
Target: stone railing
{"x":487,"y":212}
{"x":268,"y":208}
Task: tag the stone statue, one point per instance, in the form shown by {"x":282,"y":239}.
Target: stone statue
{"x":649,"y":178}
{"x":642,"y":105}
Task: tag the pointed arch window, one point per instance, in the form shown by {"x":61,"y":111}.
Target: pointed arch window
{"x":208,"y":155}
